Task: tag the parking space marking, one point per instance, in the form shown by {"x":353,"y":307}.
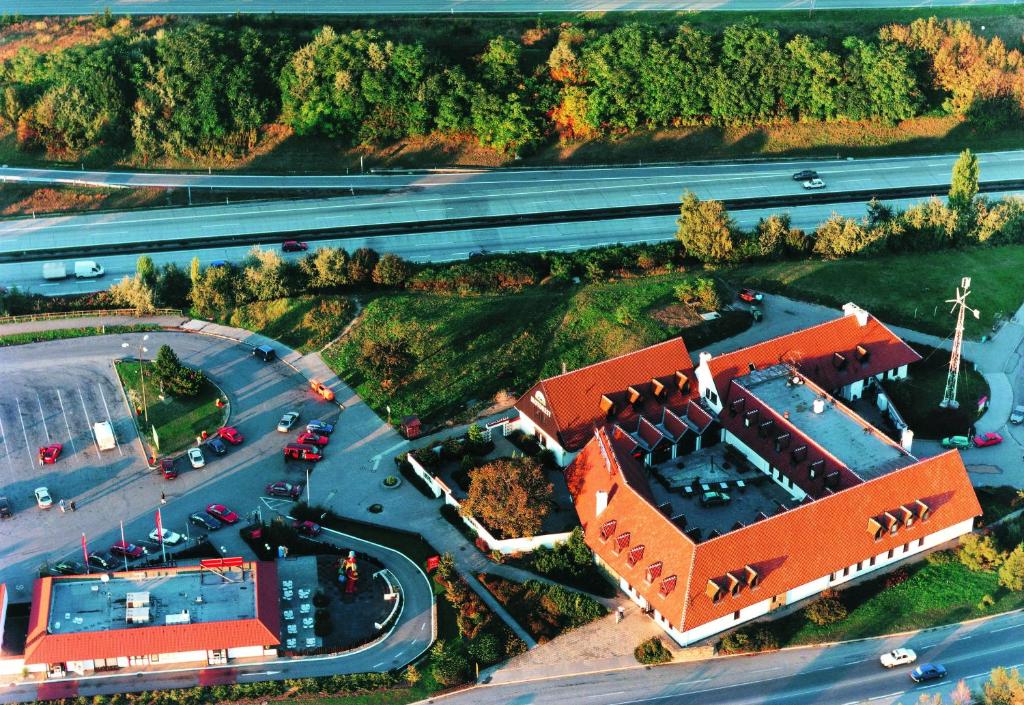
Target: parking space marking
{"x":7,"y":450}
{"x":67,"y":425}
{"x":42,"y":415}
{"x":88,"y":422}
{"x":104,"y":397}
{"x":24,"y":431}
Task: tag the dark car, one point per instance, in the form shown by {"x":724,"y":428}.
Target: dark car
{"x":5,"y":508}
{"x":711,"y":499}
{"x":123,"y":548}
{"x":928,"y":672}
{"x":264,"y":352}
{"x":321,"y":427}
{"x":301,"y":451}
{"x":66,"y":568}
{"x":222,"y":513}
{"x":203,"y":521}
{"x":805,"y":175}
{"x":284,"y":489}
{"x":166,"y":466}
{"x":217,"y":445}
{"x":231,"y":435}
{"x":48,"y":454}
{"x":98,"y":560}
{"x":293,"y":246}
{"x":307,"y":528}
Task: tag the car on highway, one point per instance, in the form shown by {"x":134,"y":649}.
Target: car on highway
{"x":129,"y":550}
{"x":476,"y":254}
{"x":195,"y":457}
{"x":166,"y":467}
{"x":928,"y":672}
{"x":217,"y":445}
{"x":287,"y":421}
{"x":813,"y":184}
{"x":170,"y":537}
{"x":5,"y":508}
{"x":101,"y":561}
{"x":301,"y":451}
{"x":987,"y":439}
{"x":231,"y":435}
{"x":805,"y":175}
{"x":293,"y":246}
{"x":222,"y":514}
{"x":712,"y":498}
{"x":264,"y":352}
{"x":750,"y":296}
{"x":898,"y":657}
{"x":43,"y":498}
{"x":312,"y":439}
{"x":321,"y":389}
{"x":48,"y":454}
{"x":203,"y":521}
{"x":321,"y":427}
{"x":306,"y":527}
{"x":961,"y":442}
{"x":284,"y":489}
{"x":1017,"y":417}
{"x":219,"y":263}
{"x":66,"y":568}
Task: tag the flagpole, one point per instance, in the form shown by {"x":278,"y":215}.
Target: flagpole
{"x":125,"y":545}
{"x":85,"y":554}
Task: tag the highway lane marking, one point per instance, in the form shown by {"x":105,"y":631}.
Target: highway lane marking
{"x":850,"y":663}
{"x":7,"y":450}
{"x":42,"y":416}
{"x":71,"y":436}
{"x":88,"y":422}
{"x":599,"y":695}
{"x":1003,"y":629}
{"x":887,"y":695}
{"x":764,"y":670}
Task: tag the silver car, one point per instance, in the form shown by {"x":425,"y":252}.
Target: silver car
{"x":812,"y":184}
{"x":287,"y":421}
{"x":195,"y":456}
{"x":1017,"y":417}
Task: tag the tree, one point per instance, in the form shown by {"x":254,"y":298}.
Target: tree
{"x":840,"y":237}
{"x":215,"y":291}
{"x":146,"y":270}
{"x":172,"y":286}
{"x":327,"y":268}
{"x":133,"y":293}
{"x":264,"y":275}
{"x":705,"y":229}
{"x":485,"y":649}
{"x":499,"y":64}
{"x":166,"y":365}
{"x":390,"y":360}
{"x":1004,"y":687}
{"x":509,"y":496}
{"x":652,"y":651}
{"x":391,"y":270}
{"x":827,"y":609}
{"x":770,"y":236}
{"x":980,"y":553}
{"x":447,"y":663}
{"x":195,"y":273}
{"x":360,"y":266}
{"x":964,"y":186}
{"x":176,"y":378}
{"x":1011,"y":572}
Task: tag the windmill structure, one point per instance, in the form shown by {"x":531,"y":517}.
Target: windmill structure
{"x":959,"y":307}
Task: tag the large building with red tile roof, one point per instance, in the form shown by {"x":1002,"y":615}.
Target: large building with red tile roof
{"x":816,"y":494}
{"x":205,"y":614}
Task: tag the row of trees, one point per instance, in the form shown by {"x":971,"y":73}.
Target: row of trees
{"x":198,"y":88}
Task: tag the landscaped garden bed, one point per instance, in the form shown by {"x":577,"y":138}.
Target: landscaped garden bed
{"x":571,"y":563}
{"x":543,"y":610}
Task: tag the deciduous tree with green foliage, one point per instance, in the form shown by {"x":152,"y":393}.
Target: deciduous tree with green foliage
{"x":980,"y":553}
{"x":705,"y":229}
{"x":1011,"y":572}
{"x":964,"y":185}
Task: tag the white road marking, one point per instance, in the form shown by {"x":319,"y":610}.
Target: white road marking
{"x":67,"y":425}
{"x":42,"y":416}
{"x":24,"y":432}
{"x":7,"y":450}
{"x":88,"y":421}
{"x":1003,"y":629}
{"x":107,"y":408}
{"x":887,"y":695}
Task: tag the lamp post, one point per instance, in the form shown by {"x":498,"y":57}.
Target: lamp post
{"x":309,"y":492}
{"x":142,"y":374}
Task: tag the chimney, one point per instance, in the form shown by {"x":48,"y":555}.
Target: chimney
{"x":852,"y":309}
{"x":906,"y":439}
{"x":819,"y":405}
{"x":705,"y":357}
{"x":564,"y":370}
{"x":602,"y":501}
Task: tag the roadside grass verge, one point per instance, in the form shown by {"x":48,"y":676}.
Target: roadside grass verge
{"x":543,"y":610}
{"x":909,"y":290}
{"x":178,"y":420}
{"x":303,"y":323}
{"x":67,"y":333}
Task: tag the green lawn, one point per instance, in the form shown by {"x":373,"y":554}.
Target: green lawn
{"x":303,"y":323}
{"x":177,"y":420}
{"x":468,"y":349}
{"x":66,"y":333}
{"x":909,"y":290}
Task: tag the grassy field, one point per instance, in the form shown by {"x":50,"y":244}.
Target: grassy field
{"x":303,"y":323}
{"x":177,"y":420}
{"x":909,"y":290}
{"x":66,"y":333}
{"x":467,"y":350}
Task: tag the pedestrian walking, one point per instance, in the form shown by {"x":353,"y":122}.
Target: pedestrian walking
{"x":163,"y":498}
{"x":620,"y":614}
{"x":61,"y":505}
{"x":72,"y":505}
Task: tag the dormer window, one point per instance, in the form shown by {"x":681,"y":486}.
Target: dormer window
{"x":634,"y":395}
{"x":751,"y":417}
{"x":635,"y":554}
{"x":782,"y":441}
{"x":736,"y":406}
{"x":799,"y":454}
{"x":653,"y":572}
{"x":894,"y":525}
{"x":713,"y":590}
{"x":907,"y":516}
{"x":752,"y":576}
{"x":765,"y":428}
{"x":668,"y":585}
{"x":607,"y":529}
{"x":607,"y":405}
{"x":816,"y":468}
{"x":832,"y":479}
{"x":923,"y":510}
{"x":875,"y":528}
{"x":863,"y":353}
{"x":657,"y":389}
{"x":734,"y":584}
{"x":682,"y":382}
{"x":838,"y":361}
{"x":621,"y":542}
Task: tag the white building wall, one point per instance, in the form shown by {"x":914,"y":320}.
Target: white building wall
{"x":245,"y":652}
{"x":562,"y":456}
{"x":761,"y":464}
{"x":181,"y":657}
{"x":706,"y":382}
{"x":854,"y":391}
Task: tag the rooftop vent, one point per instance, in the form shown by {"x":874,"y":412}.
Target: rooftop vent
{"x":819,"y":406}
{"x":751,"y":417}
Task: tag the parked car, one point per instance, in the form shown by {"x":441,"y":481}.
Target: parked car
{"x":66,"y":568}
{"x":264,"y":352}
{"x":898,"y":657}
{"x":222,"y":513}
{"x":750,"y":296}
{"x":217,"y":445}
{"x":166,"y":466}
{"x":231,"y":435}
{"x":48,"y":454}
{"x":301,"y":451}
{"x":195,"y":456}
{"x":813,"y":184}
{"x":1017,"y":417}
{"x":123,"y":548}
{"x":312,"y":439}
{"x":321,"y":427}
{"x":101,"y":561}
{"x":294,"y":246}
{"x":170,"y":537}
{"x":987,"y":439}
{"x":711,"y":499}
{"x":43,"y":498}
{"x":203,"y":521}
{"x":321,"y":389}
{"x":928,"y":672}
{"x":5,"y":508}
{"x":284,"y":489}
{"x":805,"y":175}
{"x":287,"y":421}
{"x":961,"y":442}
{"x":307,"y":528}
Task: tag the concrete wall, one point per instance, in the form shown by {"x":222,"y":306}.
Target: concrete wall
{"x":424,"y":475}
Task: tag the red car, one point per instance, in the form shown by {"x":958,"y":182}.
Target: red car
{"x":166,"y":466}
{"x":300,"y":451}
{"x":307,"y":528}
{"x":284,"y":489}
{"x":49,"y":454}
{"x":294,"y":246}
{"x":312,"y":439}
{"x":123,"y":548}
{"x":222,"y":513}
{"x":231,"y":435}
{"x":750,"y":296}
{"x":987,"y":439}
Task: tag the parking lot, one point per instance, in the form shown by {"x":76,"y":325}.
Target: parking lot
{"x":54,"y":392}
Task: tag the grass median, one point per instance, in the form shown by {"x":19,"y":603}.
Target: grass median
{"x":178,"y":420}
{"x":67,"y":333}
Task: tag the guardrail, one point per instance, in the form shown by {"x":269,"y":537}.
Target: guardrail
{"x":51,"y":315}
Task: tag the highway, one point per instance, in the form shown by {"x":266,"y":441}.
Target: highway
{"x":419,"y":7}
{"x":843,"y":674}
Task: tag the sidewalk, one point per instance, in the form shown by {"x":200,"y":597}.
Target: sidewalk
{"x":91,"y":322}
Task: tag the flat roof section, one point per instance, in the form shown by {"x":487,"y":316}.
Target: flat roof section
{"x":150,"y":598}
{"x":859,"y":446}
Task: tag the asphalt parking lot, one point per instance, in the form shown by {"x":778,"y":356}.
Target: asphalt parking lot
{"x":53,"y":392}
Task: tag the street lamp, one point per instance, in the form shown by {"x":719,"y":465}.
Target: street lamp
{"x":142,"y":374}
{"x":309,"y":492}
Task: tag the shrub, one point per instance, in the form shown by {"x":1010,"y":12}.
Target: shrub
{"x":986,"y":602}
{"x":485,"y":648}
{"x":1011,"y":572}
{"x":980,"y":553}
{"x":827,"y":609}
{"x":749,"y":639}
{"x":427,"y":458}
{"x":900,"y":575}
{"x":652,"y":651}
{"x":578,"y":609}
{"x":941,"y":557}
{"x":447,"y":663}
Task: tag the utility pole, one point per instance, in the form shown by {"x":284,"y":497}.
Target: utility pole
{"x":959,"y":306}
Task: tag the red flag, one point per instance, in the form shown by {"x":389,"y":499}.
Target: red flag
{"x":433,"y":562}
{"x":159,"y":528}
{"x":85,"y":553}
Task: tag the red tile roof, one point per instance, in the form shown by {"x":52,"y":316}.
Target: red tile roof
{"x":569,"y":405}
{"x":812,"y":351}
{"x":263,"y":630}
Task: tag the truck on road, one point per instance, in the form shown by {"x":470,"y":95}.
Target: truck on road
{"x":104,"y":434}
{"x":54,"y":270}
{"x":85,"y":269}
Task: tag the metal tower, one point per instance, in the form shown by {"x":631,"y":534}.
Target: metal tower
{"x":959,"y":305}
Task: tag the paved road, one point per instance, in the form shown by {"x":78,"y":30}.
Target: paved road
{"x":395,"y":7}
{"x":440,"y":246}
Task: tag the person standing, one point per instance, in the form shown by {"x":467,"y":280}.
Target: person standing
{"x":163,"y":498}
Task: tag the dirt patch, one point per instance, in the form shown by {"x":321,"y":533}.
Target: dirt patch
{"x":677,"y":316}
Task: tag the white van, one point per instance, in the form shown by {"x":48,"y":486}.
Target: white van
{"x":88,"y":269}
